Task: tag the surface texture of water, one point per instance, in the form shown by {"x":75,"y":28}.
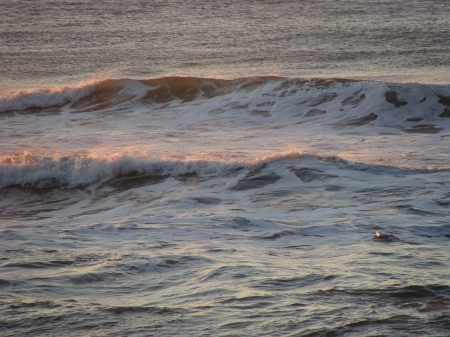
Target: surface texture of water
{"x":257,"y":254}
{"x":47,"y":43}
{"x":296,"y":204}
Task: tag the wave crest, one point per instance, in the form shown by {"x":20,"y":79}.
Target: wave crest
{"x":25,"y":99}
{"x":39,"y":171}
{"x":110,"y":92}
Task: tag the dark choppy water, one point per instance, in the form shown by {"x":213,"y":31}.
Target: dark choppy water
{"x":254,"y":206}
{"x":250,"y":254}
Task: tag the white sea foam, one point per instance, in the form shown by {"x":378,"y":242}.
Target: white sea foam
{"x":207,"y":126}
{"x":21,"y":100}
{"x":40,"y":171}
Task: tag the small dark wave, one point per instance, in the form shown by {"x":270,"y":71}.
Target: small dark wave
{"x":417,"y":291}
{"x":94,"y":277}
{"x":119,"y":310}
{"x":258,"y":182}
{"x":373,"y":327}
{"x":35,"y":304}
{"x":381,"y":169}
{"x":182,"y":262}
{"x":37,"y":264}
{"x":231,"y":272}
{"x":411,"y":292}
{"x":4,"y":283}
{"x":283,"y":284}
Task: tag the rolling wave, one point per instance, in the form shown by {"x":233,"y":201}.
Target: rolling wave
{"x":193,"y":106}
{"x":43,"y":171}
{"x":38,"y":171}
{"x":112,"y":92}
{"x":26,"y":99}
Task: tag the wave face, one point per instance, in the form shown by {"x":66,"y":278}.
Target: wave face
{"x":257,"y":206}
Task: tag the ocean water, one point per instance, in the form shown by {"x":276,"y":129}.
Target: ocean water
{"x":193,"y":168}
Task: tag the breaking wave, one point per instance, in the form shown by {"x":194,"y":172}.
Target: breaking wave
{"x":26,"y":99}
{"x":110,"y":92}
{"x":38,"y":171}
{"x":43,"y":171}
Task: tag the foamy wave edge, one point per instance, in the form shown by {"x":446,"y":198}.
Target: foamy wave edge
{"x":39,"y":171}
{"x":25,"y":99}
{"x":182,"y":86}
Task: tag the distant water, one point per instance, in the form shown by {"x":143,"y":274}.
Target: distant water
{"x":236,"y":169}
{"x":47,"y":44}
